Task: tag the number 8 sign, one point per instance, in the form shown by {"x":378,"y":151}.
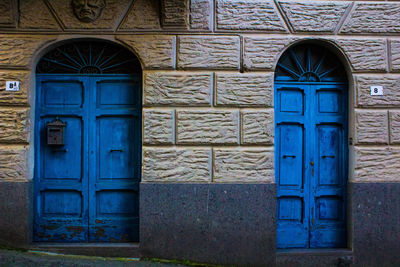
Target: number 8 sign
{"x":12,"y":86}
{"x":376,"y":90}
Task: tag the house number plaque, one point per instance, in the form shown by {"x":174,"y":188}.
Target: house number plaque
{"x":12,"y":86}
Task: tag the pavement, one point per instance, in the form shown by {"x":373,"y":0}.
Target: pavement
{"x":15,"y":258}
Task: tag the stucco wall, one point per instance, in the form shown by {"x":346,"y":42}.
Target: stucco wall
{"x":208,"y":79}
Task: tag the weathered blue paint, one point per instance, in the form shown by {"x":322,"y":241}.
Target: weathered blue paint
{"x":88,"y":189}
{"x":311,"y":164}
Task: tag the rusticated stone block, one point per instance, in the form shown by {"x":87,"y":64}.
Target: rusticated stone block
{"x":365,"y":54}
{"x":394,"y":127}
{"x":200,"y":14}
{"x":13,"y":163}
{"x":248,"y":15}
{"x":154,"y":51}
{"x":158,"y":126}
{"x":108,"y":20}
{"x":243,"y":165}
{"x":176,"y":165}
{"x":207,"y":127}
{"x":395,"y":53}
{"x":314,"y":16}
{"x":257,"y":127}
{"x":373,"y":18}
{"x":391,"y":92}
{"x":175,"y":13}
{"x":244,"y":89}
{"x":377,"y":164}
{"x":17,"y":50}
{"x":144,"y":15}
{"x":215,"y":52}
{"x":177,"y":88}
{"x":34,"y":14}
{"x":261,"y":53}
{"x":14,"y":125}
{"x":372,"y":127}
{"x":14,"y":98}
{"x":7,"y":13}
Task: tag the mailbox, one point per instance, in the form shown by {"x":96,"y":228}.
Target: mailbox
{"x":55,"y":132}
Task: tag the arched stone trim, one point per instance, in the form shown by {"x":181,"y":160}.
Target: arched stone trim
{"x":345,"y":149}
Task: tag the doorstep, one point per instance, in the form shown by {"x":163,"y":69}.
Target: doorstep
{"x":125,"y":250}
{"x":314,"y":257}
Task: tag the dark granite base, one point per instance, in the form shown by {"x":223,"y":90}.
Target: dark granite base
{"x":15,"y":214}
{"x":212,"y":223}
{"x":375,"y":210}
{"x":228,"y":223}
{"x":128,"y":250}
{"x":314,"y":258}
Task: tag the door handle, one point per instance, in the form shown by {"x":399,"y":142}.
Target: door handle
{"x":60,"y":150}
{"x":116,"y":150}
{"x":328,"y":156}
{"x":289,"y":156}
{"x":312,"y":163}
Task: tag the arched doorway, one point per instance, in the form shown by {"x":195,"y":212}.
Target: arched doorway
{"x":87,"y":144}
{"x":311,"y":160}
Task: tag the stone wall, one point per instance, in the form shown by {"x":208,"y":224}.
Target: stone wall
{"x":208,"y":79}
{"x":208,"y":115}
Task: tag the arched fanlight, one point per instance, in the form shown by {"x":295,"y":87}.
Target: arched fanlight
{"x":309,"y":63}
{"x":88,"y":57}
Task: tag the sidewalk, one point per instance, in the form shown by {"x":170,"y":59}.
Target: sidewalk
{"x":11,"y":258}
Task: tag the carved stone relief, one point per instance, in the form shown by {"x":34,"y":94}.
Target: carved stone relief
{"x":99,"y":15}
{"x":88,"y":10}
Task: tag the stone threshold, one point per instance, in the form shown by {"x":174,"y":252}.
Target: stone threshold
{"x":314,"y":257}
{"x":124,"y":250}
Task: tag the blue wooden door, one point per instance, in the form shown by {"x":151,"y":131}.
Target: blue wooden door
{"x":87,"y":190}
{"x":311,"y":164}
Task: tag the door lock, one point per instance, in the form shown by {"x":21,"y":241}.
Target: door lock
{"x":312,"y":163}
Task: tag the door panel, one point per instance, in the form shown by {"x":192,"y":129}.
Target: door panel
{"x":61,"y":203}
{"x":291,"y":156}
{"x":329,"y":101}
{"x":113,"y":93}
{"x":61,"y":158}
{"x":328,"y":192}
{"x":291,"y":208}
{"x":116,"y":216}
{"x":311,"y":164}
{"x":291,"y":100}
{"x":114,"y":191}
{"x":292,"y":213}
{"x":329,"y":208}
{"x":328,"y":154}
{"x":87,"y":189}
{"x":56,"y":95}
{"x":111,"y":203}
{"x":61,"y":197}
{"x":116,"y":134}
